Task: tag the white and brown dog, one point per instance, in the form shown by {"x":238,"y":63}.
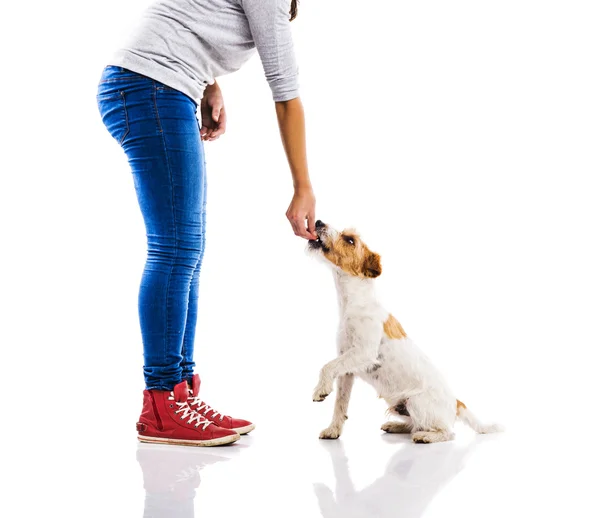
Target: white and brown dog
{"x":372,"y":345}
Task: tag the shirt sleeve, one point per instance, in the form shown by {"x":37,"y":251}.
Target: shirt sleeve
{"x":270,"y":27}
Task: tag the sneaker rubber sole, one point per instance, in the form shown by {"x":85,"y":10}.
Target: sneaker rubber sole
{"x":243,"y":430}
{"x":220,"y":441}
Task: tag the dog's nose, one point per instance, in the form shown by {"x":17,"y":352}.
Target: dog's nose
{"x":319,"y":224}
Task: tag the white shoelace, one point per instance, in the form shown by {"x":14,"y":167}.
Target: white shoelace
{"x":186,"y":411}
{"x":203,"y":408}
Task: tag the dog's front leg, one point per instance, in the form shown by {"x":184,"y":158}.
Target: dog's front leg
{"x":347,"y":363}
{"x":362,"y":339}
{"x":340,"y":410}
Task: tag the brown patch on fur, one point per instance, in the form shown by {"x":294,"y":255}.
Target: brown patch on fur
{"x":372,"y":265}
{"x":393,"y":329}
{"x":459,"y":405}
{"x":355,"y":259}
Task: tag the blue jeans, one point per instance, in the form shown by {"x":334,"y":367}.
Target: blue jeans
{"x":157,"y":128}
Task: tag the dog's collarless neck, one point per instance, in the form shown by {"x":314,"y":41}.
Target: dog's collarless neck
{"x":354,"y":290}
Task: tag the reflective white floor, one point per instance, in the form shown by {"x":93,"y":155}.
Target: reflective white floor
{"x":269,"y":473}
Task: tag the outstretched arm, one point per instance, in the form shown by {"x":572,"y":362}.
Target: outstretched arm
{"x":290,"y":115}
{"x":269,"y":22}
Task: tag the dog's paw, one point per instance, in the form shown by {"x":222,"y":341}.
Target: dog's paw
{"x":396,"y":427}
{"x":318,"y":396}
{"x":421,"y":437}
{"x":321,"y":393}
{"x":330,"y":432}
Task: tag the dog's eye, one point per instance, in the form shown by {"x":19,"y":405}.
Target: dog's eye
{"x":348,"y":240}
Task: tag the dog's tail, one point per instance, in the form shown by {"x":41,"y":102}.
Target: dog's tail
{"x":468,"y":417}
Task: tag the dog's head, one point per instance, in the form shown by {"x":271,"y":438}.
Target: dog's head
{"x":346,"y":251}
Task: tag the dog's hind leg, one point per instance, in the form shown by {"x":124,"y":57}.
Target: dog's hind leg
{"x":432,"y":418}
{"x":429,"y":436}
{"x":404,"y":426}
{"x":340,"y":410}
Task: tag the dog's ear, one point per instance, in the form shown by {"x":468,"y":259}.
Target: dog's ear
{"x":372,"y":265}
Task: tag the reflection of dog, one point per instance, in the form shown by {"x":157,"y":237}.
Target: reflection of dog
{"x":412,"y":479}
{"x":373,"y":346}
{"x":171,"y":477}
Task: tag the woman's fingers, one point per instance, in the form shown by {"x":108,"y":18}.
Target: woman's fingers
{"x":302,"y":208}
{"x":213,"y":129}
{"x":217,"y":132}
{"x":298,"y":225}
{"x":220,"y":124}
{"x":216,"y":112}
{"x":311,"y":224}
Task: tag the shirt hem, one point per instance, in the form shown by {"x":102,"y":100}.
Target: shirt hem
{"x":172,"y":78}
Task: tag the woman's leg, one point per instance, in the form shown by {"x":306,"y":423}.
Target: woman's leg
{"x":188,"y":364}
{"x":171,"y":202}
{"x":158,"y":130}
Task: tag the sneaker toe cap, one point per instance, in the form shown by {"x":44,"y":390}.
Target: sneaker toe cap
{"x":240,"y":423}
{"x":218,"y":432}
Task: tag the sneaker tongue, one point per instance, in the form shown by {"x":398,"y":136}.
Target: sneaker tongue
{"x":181,"y":392}
{"x":195,"y":385}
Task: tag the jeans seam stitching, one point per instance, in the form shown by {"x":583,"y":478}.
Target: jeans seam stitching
{"x":174,"y":222}
{"x":126,"y":118}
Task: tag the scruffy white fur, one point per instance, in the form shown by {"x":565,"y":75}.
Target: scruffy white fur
{"x":400,"y":373}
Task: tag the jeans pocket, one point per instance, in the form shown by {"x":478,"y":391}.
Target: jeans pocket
{"x":113,"y":110}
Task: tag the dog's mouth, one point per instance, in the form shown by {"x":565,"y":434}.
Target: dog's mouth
{"x":319,"y":243}
{"x":316,"y":243}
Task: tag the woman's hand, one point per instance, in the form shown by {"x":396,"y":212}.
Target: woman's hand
{"x":302,"y":208}
{"x":213,"y":115}
{"x":290,"y":116}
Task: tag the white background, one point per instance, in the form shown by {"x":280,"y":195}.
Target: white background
{"x":459,"y":138}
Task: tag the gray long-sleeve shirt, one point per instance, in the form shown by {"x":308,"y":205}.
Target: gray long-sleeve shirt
{"x":186,"y":44}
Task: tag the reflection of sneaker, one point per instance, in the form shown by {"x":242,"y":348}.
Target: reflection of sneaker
{"x":240,"y":426}
{"x":173,"y":470}
{"x":171,"y":477}
{"x":168,"y":419}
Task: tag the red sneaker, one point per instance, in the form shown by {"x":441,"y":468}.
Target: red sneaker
{"x":240,"y":426}
{"x":168,"y":419}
